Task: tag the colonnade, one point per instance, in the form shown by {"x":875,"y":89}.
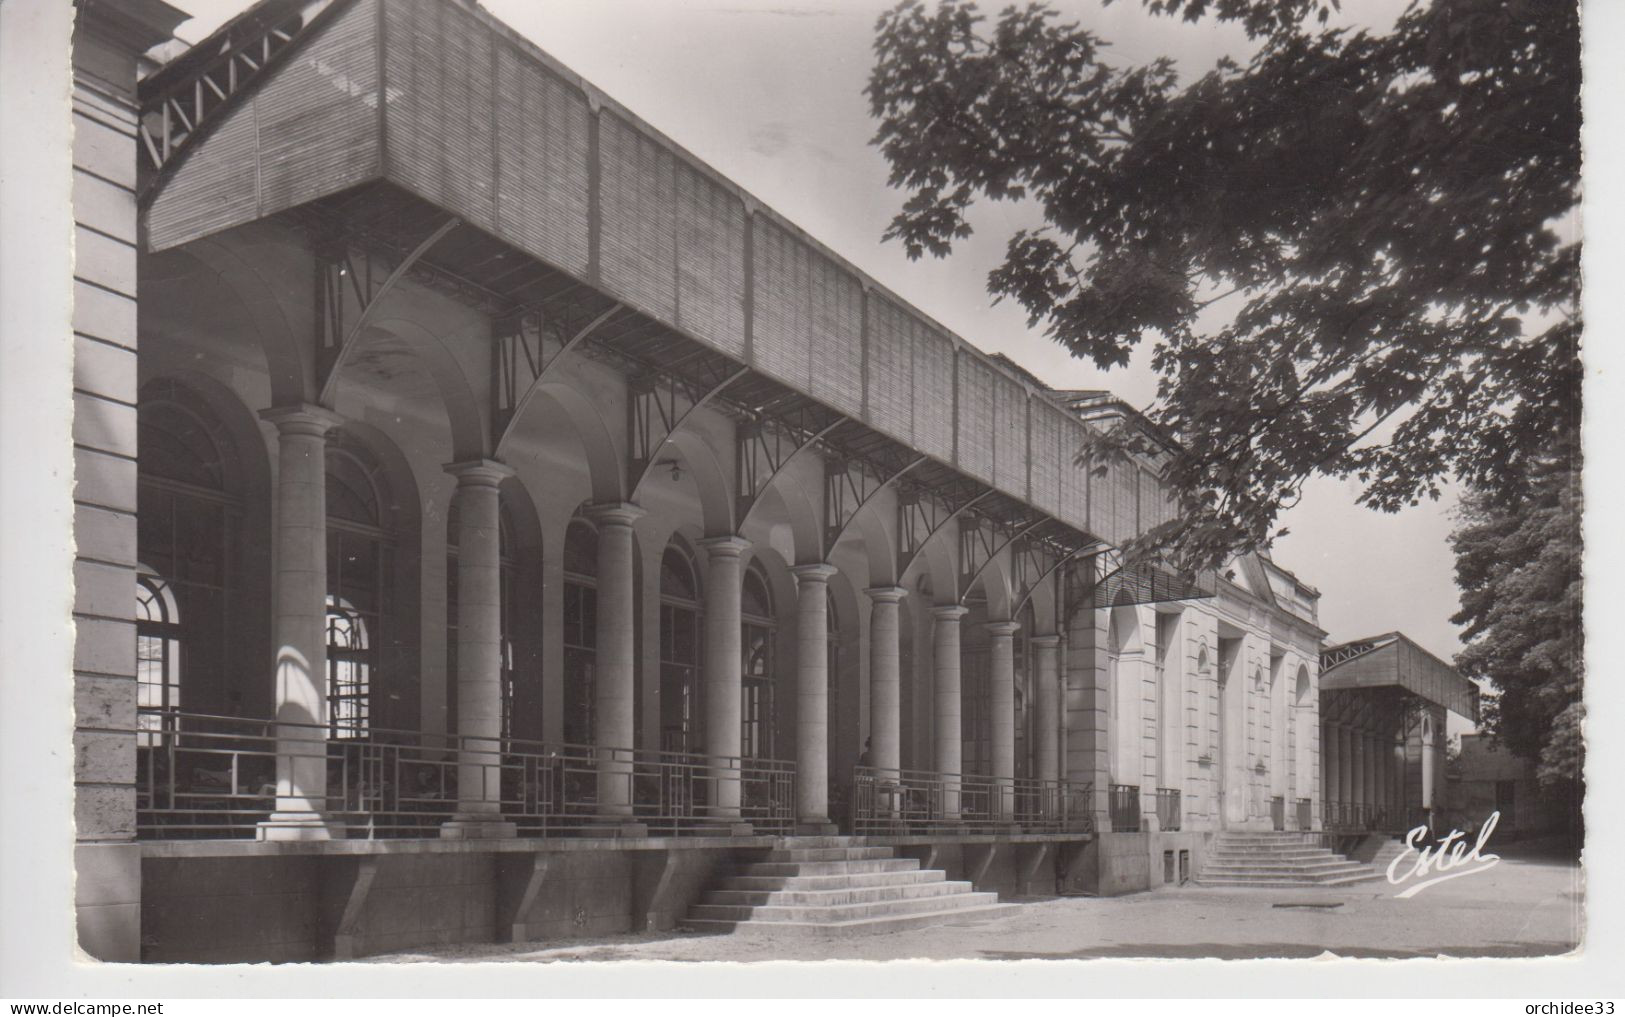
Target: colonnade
{"x":300,"y":549}
{"x":1362,"y":770}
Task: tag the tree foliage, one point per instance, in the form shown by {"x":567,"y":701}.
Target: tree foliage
{"x":1518,"y":564}
{"x":1348,"y":251}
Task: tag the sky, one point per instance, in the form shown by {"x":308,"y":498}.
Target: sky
{"x":769,"y":92}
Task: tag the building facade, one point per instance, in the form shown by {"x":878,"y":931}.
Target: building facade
{"x":494,"y":524}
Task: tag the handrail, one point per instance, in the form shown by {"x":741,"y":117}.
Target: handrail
{"x":199,"y":775}
{"x":888,"y":800}
{"x":1123,"y":805}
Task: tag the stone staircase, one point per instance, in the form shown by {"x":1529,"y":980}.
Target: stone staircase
{"x":1278,"y":859}
{"x":834,"y":886}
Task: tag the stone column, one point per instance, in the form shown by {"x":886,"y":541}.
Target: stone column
{"x":724,"y":664}
{"x":1333,"y":763}
{"x":1002,"y":706}
{"x":1373,"y":771}
{"x":945,"y":665}
{"x":812,"y":698}
{"x":1046,"y":706}
{"x":614,"y":726}
{"x":479,"y":652}
{"x":299,"y":625}
{"x":885,"y":680}
{"x":1345,"y":767}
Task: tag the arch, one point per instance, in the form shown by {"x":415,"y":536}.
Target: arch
{"x":468,"y":433}
{"x":606,"y":471}
{"x":181,"y":279}
{"x":201,"y":541}
{"x":373,"y":548}
{"x":994,"y":582}
{"x":1303,"y":691}
{"x":786,"y":500}
{"x":712,"y":483}
{"x":681,"y":642}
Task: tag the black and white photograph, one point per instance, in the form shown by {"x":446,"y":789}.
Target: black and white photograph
{"x":565,"y":487}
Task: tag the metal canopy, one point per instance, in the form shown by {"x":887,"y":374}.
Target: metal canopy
{"x":1394,"y":661}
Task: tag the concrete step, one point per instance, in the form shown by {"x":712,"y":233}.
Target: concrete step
{"x":830,"y":898}
{"x":830,"y":841}
{"x":779,"y":914}
{"x":845,"y":881}
{"x":860,"y":927}
{"x":1282,"y":853}
{"x":826,"y":854}
{"x":1273,"y":871}
{"x":854,"y":866}
{"x":1287,"y":883}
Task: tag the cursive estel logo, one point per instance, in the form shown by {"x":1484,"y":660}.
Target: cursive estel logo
{"x":1450,"y":857}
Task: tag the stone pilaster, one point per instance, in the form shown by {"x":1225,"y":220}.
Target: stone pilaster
{"x":1046,"y":683}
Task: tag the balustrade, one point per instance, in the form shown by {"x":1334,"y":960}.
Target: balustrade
{"x":1169,"y":810}
{"x":923,"y":801}
{"x":200,"y":776}
{"x":1123,"y":805}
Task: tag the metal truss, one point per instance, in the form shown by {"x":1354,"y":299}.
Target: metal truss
{"x":182,"y":102}
{"x":1120,"y":582}
{"x":923,"y":512}
{"x":852,"y":483}
{"x":1034,"y":559}
{"x":528,"y":344}
{"x":349,"y":289}
{"x":1341,"y":654}
{"x":769,"y":438}
{"x":983,"y":538}
{"x":658,"y":405}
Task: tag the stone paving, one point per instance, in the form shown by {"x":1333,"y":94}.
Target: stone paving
{"x":1526,"y":905}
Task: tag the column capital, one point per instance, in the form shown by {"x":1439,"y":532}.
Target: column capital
{"x":1046,"y":642}
{"x":818,"y":573}
{"x":1002,"y":628}
{"x":886,"y":594}
{"x":479,"y":472}
{"x":302,"y":418}
{"x":613,"y":513}
{"x":949,"y":612}
{"x":726,"y":546}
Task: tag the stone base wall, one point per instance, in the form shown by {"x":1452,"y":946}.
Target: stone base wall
{"x":277,"y":906}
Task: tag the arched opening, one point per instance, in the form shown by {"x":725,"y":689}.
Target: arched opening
{"x":188,"y":530}
{"x":580,"y":630}
{"x":681,"y":728}
{"x":361,"y":547}
{"x":758,"y":625}
{"x":157,"y":657}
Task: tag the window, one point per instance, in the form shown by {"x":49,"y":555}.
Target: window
{"x":349,"y":670}
{"x":187,"y":530}
{"x":756,"y":717}
{"x":680,"y":729}
{"x":157,"y":657}
{"x":360,"y":581}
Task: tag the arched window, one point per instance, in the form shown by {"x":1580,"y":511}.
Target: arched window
{"x":157,"y":656}
{"x":580,"y":630}
{"x":360,"y":584}
{"x":757,"y":625}
{"x":680,"y":729}
{"x":349,"y":670}
{"x":187,"y":525}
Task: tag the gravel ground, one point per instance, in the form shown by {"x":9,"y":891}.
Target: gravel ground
{"x":1522,"y":907}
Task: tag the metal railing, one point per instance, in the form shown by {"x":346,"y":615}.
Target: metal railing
{"x":1169,"y":812}
{"x":1354,"y":817}
{"x":1306,"y":814}
{"x":1278,"y":813}
{"x":1123,"y":805}
{"x":923,"y":801}
{"x":200,"y":776}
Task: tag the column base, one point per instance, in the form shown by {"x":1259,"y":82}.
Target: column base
{"x":299,"y":826}
{"x":814,"y":828}
{"x":477,"y":828}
